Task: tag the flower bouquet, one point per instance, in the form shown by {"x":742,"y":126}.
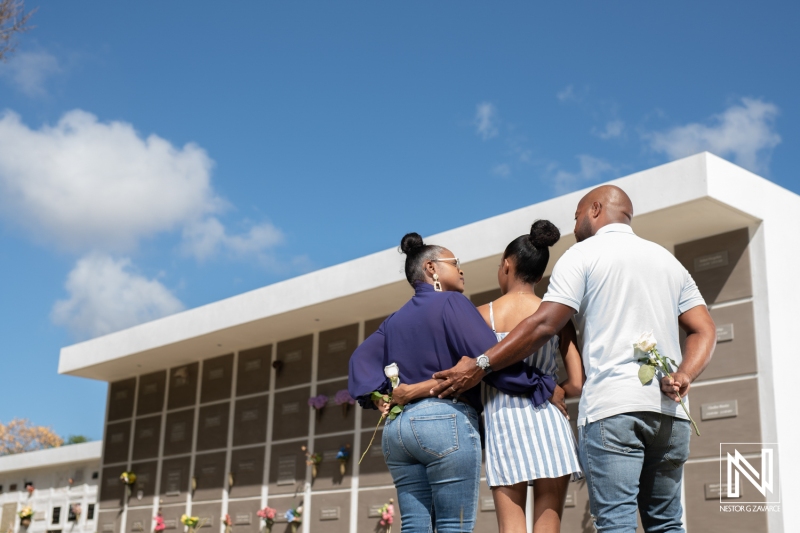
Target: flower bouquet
{"x":295,"y":517}
{"x":653,"y":361}
{"x":318,"y":402}
{"x":344,"y":399}
{"x":25,"y":516}
{"x":313,"y":460}
{"x":75,"y":508}
{"x":392,"y":372}
{"x":343,"y":455}
{"x":387,"y":516}
{"x":29,"y":487}
{"x":227,"y":522}
{"x":192,"y":523}
{"x":267,"y":514}
{"x":160,"y":525}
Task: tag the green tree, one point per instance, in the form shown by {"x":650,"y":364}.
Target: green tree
{"x":76,"y":439}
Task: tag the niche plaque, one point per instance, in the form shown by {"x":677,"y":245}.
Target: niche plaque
{"x":723,"y":409}
{"x":329,"y":513}
{"x":242,"y":519}
{"x":287,"y":466}
{"x":487,"y":504}
{"x":724,"y":332}
{"x":710,"y":261}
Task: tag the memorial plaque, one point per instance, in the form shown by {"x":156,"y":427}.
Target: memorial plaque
{"x":217,"y":378}
{"x":287,"y":470}
{"x":241,"y":519}
{"x":329,"y":475}
{"x":723,"y":409}
{"x":175,"y":479}
{"x":247,"y":467}
{"x":243,"y":514}
{"x":145,"y":478}
{"x":735,"y":353}
{"x":724,"y":332}
{"x":109,"y":522}
{"x":290,"y":424}
{"x":369,"y":501}
{"x":209,"y":476}
{"x":253,"y":370}
{"x":139,"y":520}
{"x":120,"y":402}
{"x":744,"y":427}
{"x":111,"y":490}
{"x":290,"y":408}
{"x":373,"y":470}
{"x":570,"y":499}
{"x":182,"y":386}
{"x":117,"y":442}
{"x":212,"y":430}
{"x":713,"y":491}
{"x":330,"y":513}
{"x":720,"y":265}
{"x":295,"y":362}
{"x":487,"y":504}
{"x":335,"y":348}
{"x":151,"y":393}
{"x":334,"y":418}
{"x":179,"y":428}
{"x":250,"y":422}
{"x":209,"y":514}
{"x":40,"y":516}
{"x":147,"y":434}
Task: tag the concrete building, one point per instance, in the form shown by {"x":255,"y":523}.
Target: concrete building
{"x":58,"y":484}
{"x":210,"y":406}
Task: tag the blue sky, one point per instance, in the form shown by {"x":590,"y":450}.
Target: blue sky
{"x":152,"y":161}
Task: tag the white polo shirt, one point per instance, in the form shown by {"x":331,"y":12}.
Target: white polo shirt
{"x":621,"y":286}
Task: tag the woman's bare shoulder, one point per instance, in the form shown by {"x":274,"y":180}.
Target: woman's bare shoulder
{"x":484,"y":311}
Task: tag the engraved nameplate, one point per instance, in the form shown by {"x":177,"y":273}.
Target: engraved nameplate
{"x":39,"y":515}
{"x":206,"y":521}
{"x":178,"y":432}
{"x":150,"y":388}
{"x":174,"y":483}
{"x":337,"y":346}
{"x":724,"y":332}
{"x":108,"y":528}
{"x":707,"y":262}
{"x":293,"y":357}
{"x":713,"y":491}
{"x":217,"y":373}
{"x":208,"y":470}
{"x":287,"y":466}
{"x":120,"y":395}
{"x":570,"y":500}
{"x":213,"y":421}
{"x":724,"y":409}
{"x":117,"y":438}
{"x":487,"y":504}
{"x":142,"y":479}
{"x":137,"y":526}
{"x":242,"y":519}
{"x":253,"y":364}
{"x":329,"y":455}
{"x":290,"y":408}
{"x":146,"y":433}
{"x":329,"y":513}
{"x":376,"y":451}
{"x":170,"y":524}
{"x":247,"y":466}
{"x":375,"y":511}
{"x":249,"y":415}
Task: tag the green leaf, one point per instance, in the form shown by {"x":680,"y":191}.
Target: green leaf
{"x":376,"y":395}
{"x":646,"y":373}
{"x":394,"y":411}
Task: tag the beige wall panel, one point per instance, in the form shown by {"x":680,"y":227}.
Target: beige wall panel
{"x":736,"y":356}
{"x":330,"y":513}
{"x":371,"y":326}
{"x":212,"y":426}
{"x":369,"y":417}
{"x":253,"y":370}
{"x":577,"y":515}
{"x":120,"y":402}
{"x":8,"y":517}
{"x":335,"y":348}
{"x":210,"y":515}
{"x":483,"y":298}
{"x":486,"y":517}
{"x":368,"y":503}
{"x":174,"y":480}
{"x":244,"y":517}
{"x":704,"y":514}
{"x":182,"y":386}
{"x":250,"y":422}
{"x":147,"y":435}
{"x":217,"y":376}
{"x":287,"y":470}
{"x":145,"y":480}
{"x":745,"y":427}
{"x":139,"y":520}
{"x":247,"y":467}
{"x":294,"y":358}
{"x":151,"y":393}
{"x":209,"y":475}
{"x":720,"y":265}
{"x":373,"y":469}
{"x":109,"y":521}
{"x":328,"y":473}
{"x":111,"y":488}
{"x":178,"y":432}
{"x":118,"y":439}
{"x":334,"y":418}
{"x":291,"y":414}
{"x":541,"y":288}
{"x":172,"y":518}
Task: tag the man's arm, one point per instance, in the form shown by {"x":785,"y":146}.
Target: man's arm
{"x":529,"y":335}
{"x":701,"y":339}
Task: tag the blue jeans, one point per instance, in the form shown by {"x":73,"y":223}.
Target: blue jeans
{"x":635,"y":460}
{"x":433,"y":451}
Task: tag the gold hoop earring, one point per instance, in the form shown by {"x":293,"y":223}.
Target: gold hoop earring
{"x":436,"y":285}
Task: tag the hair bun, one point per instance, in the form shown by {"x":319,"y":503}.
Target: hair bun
{"x":410,"y":242}
{"x":544,"y":234}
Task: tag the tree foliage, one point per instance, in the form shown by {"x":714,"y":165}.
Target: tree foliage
{"x":20,"y":435}
{"x":13,"y":21}
{"x":76,"y":439}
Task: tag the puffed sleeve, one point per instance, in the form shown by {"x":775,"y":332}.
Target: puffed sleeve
{"x":468,"y":334}
{"x":366,"y":369}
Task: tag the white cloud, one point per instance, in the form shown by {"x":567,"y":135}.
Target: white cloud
{"x":591,"y":169}
{"x":566,"y":94}
{"x":503,"y":170}
{"x":28,"y":71}
{"x":744,"y":132}
{"x":614,"y":128}
{"x":206,"y":238}
{"x":486,"y":121}
{"x":105,"y":295}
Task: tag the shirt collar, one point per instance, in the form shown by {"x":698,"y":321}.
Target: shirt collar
{"x":618,"y":228}
{"x":421,"y":286}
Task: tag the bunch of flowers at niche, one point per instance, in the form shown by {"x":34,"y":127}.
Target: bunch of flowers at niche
{"x":75,"y":508}
{"x":267,"y":514}
{"x":160,"y":525}
{"x":344,"y":399}
{"x":295,"y":517}
{"x":387,"y":516}
{"x":192,"y":523}
{"x":26,"y":513}
{"x":343,"y":455}
{"x":227,"y":522}
{"x":318,"y":402}
{"x":313,"y":460}
{"x":392,"y":372}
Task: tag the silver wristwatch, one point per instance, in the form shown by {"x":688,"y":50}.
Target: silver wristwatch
{"x":483,"y":363}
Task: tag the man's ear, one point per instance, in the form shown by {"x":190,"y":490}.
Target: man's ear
{"x":597,"y":208}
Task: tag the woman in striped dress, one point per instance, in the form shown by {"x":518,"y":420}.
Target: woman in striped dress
{"x":525,"y":443}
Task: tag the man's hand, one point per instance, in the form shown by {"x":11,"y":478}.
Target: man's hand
{"x":459,"y":379}
{"x":679,"y":383}
{"x":402,"y":394}
{"x":557,"y":399}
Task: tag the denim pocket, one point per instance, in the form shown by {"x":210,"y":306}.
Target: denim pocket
{"x":615,"y":436}
{"x":436,"y":434}
{"x":678,"y":451}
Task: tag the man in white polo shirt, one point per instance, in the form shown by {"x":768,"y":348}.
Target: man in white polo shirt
{"x":633,"y":438}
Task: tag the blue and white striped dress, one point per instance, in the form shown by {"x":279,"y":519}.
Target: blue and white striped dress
{"x":524,"y":442}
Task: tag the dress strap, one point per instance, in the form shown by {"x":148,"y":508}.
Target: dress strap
{"x":491,"y":316}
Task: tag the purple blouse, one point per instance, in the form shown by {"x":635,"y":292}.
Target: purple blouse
{"x":431,"y":332}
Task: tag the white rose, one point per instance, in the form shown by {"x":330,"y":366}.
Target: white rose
{"x":646,"y":342}
{"x":393,"y":373}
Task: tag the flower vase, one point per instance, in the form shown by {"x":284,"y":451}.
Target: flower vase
{"x":313,"y":471}
{"x":345,"y":408}
{"x":25,"y":522}
{"x":294,"y":527}
{"x":342,"y":467}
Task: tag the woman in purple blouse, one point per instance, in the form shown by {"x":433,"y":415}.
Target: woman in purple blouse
{"x":433,"y":447}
